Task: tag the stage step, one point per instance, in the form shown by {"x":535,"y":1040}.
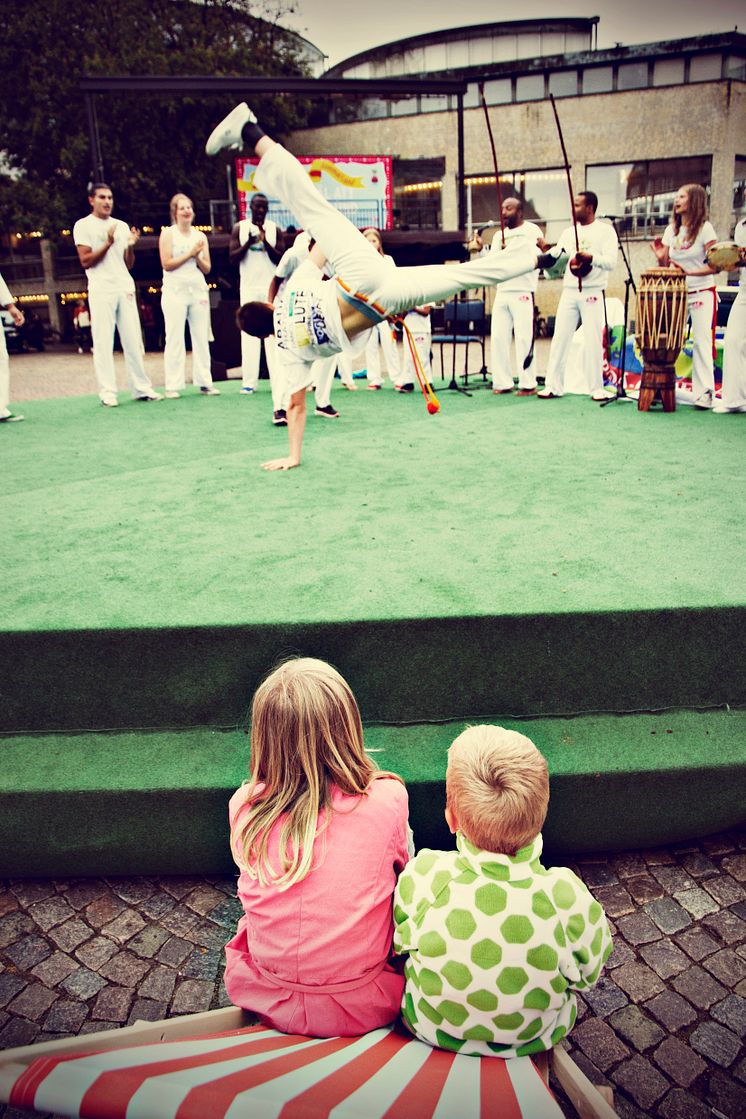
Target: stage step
{"x":155,"y":801}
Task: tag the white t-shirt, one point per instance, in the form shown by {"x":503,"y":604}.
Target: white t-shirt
{"x":690,"y":254}
{"x":111,"y":275}
{"x":596,"y":238}
{"x":528,"y":282}
{"x":307,"y":319}
{"x":256,"y":269}
{"x":188,"y":274}
{"x":739,"y":236}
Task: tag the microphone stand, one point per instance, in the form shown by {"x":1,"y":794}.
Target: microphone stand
{"x":621,"y":392}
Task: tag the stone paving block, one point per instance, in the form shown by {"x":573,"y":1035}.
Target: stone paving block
{"x":33,"y":1002}
{"x":66,"y":1017}
{"x":697,"y":943}
{"x":82,"y":893}
{"x":54,"y":969}
{"x":8,"y":901}
{"x":18,"y":1031}
{"x":698,"y":865}
{"x":638,"y":980}
{"x":103,"y":910}
{"x":208,"y":935}
{"x":644,"y":888}
{"x":125,"y":968}
{"x":621,"y":954}
{"x":665,"y":958}
{"x":587,"y":1067}
{"x":230,"y":912}
{"x":640,"y":1080}
{"x":180,"y":887}
{"x":740,"y":989}
{"x":124,"y":926}
{"x":716,"y":1043}
{"x":204,"y":963}
{"x":731,"y":1012}
{"x":605,"y":997}
{"x":147,"y":1010}
{"x":725,"y":890}
{"x":133,"y":890}
{"x":679,"y":1061}
{"x":180,"y":920}
{"x":28,"y":951}
{"x":628,"y":865}
{"x":597,"y":874}
{"x":726,"y":1096}
{"x":727,"y":925}
{"x":192,"y":996}
{"x":600,"y":1044}
{"x":678,"y":1104}
{"x":727,"y":966}
{"x":113,"y":1004}
{"x":160,"y":903}
{"x":175,"y":951}
{"x":95,"y":1026}
{"x":672,"y":1010}
{"x":83,"y":983}
{"x":223,"y":996}
{"x":735,"y":865}
{"x":637,"y":928}
{"x":29,"y":890}
{"x":148,"y":941}
{"x":672,"y":878}
{"x":13,"y":926}
{"x":697,"y":902}
{"x":718,"y":845}
{"x":637,"y":1029}
{"x":699,"y":987}
{"x":70,"y":935}
{"x":10,"y":985}
{"x":50,"y":912}
{"x":159,"y":984}
{"x":668,"y":915}
{"x":739,"y":1070}
{"x":204,"y":899}
{"x":614,"y":899}
{"x":96,"y":952}
{"x":739,"y":909}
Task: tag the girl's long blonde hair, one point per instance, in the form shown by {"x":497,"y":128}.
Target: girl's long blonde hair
{"x":306,"y":737}
{"x":696,"y":211}
{"x":173,"y":204}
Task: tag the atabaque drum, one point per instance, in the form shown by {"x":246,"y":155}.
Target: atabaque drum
{"x":661,"y":326}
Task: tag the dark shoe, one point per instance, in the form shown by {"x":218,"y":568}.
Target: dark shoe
{"x":279,"y":419}
{"x":404,"y":388}
{"x":328,"y":411}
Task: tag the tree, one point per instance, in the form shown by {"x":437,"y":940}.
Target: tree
{"x":153,"y":145}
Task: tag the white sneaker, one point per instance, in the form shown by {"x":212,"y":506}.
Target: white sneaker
{"x":247,"y":390}
{"x":110,"y":402}
{"x":721,"y":409}
{"x":171,"y":394}
{"x":602,"y":394}
{"x":227,"y":134}
{"x":209,"y":390}
{"x":11,"y":418}
{"x":705,"y":400}
{"x":152,"y":395}
{"x":547,"y":394}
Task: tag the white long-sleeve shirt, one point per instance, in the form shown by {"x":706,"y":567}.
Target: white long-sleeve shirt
{"x":5,"y":297}
{"x":598,"y":239}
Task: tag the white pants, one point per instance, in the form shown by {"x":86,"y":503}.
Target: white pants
{"x":575,"y":307}
{"x":512,"y":312}
{"x":734,"y":355}
{"x":701,"y":306}
{"x":384,"y":334}
{"x":251,"y":349}
{"x":4,"y":375}
{"x":322,"y":371}
{"x":179,"y":305}
{"x":355,"y":358}
{"x":110,"y":309}
{"x":356,"y":262}
{"x":420,"y":327}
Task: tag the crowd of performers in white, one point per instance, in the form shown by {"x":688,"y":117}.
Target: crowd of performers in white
{"x":328,"y":301}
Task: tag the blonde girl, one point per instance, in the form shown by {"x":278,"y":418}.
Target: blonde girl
{"x":185,"y":257}
{"x":319,"y":836}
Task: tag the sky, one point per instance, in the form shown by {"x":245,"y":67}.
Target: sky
{"x":341,"y":28}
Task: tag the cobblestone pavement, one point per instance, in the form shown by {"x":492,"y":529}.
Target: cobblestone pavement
{"x":664,"y":1027}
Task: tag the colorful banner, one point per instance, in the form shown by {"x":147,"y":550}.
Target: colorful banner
{"x":360,"y":186}
{"x":633,"y":365}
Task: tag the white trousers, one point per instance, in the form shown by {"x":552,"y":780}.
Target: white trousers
{"x":181,"y":305}
{"x":420,"y":327}
{"x":512,"y":312}
{"x":734,"y":355}
{"x":322,"y":371}
{"x":384,"y":334}
{"x":251,"y":349}
{"x":575,"y":307}
{"x":701,"y":306}
{"x":4,"y":375}
{"x":356,"y":262}
{"x":110,"y":309}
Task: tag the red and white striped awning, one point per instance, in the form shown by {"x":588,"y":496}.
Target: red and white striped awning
{"x":257,"y":1073}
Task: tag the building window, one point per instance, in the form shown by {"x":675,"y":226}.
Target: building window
{"x":705,"y":68}
{"x":404,"y":106}
{"x":632,"y":75}
{"x":599,"y":79}
{"x":641,"y":194}
{"x":434,"y":102}
{"x":418,"y":193}
{"x":529,"y":87}
{"x":564,"y":83}
{"x":739,"y":188}
{"x":543,"y":194}
{"x":668,"y":71}
{"x":735,"y":68}
{"x":499,"y":91}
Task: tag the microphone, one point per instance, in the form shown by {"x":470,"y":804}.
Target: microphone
{"x":487,"y":225}
{"x":611,"y":217}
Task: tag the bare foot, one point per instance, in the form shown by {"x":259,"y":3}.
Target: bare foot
{"x":280,"y":464}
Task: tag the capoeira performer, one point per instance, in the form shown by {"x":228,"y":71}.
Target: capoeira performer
{"x":8,"y":303}
{"x":256,"y":247}
{"x":733,"y":393}
{"x":419,"y":328}
{"x":582,"y":299}
{"x":317,"y":318}
{"x":106,"y":250}
{"x":513,"y":308}
{"x":383,"y":334}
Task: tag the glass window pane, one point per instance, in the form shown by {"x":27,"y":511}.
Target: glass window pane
{"x":632,"y":75}
{"x":372,"y":108}
{"x":705,"y":68}
{"x":529,"y":87}
{"x":564,"y":83}
{"x":735,"y":68}
{"x":598,"y":80}
{"x":434,"y":103}
{"x":641,"y":194}
{"x":739,"y":187}
{"x":498,"y":91}
{"x":404,"y":106}
{"x":668,"y":71}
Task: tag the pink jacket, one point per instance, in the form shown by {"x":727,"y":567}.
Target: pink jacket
{"x":312,"y":959}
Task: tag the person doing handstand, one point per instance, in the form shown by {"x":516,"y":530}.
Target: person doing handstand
{"x":315,"y":319}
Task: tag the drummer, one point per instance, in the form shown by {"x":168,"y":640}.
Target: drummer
{"x":684,"y":244}
{"x":733,"y":395}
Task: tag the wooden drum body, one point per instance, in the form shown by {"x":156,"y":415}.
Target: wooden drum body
{"x":661,"y":325}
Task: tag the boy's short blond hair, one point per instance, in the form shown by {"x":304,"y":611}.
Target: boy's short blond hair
{"x":497,"y":786}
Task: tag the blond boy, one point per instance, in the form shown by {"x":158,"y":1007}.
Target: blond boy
{"x":496,"y":944}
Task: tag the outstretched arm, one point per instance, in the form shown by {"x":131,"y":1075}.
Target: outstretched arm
{"x":296,"y":428}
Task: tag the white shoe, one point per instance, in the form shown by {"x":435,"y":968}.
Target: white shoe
{"x":547,"y":394}
{"x":171,"y":394}
{"x":11,"y":418}
{"x":721,"y":409}
{"x":602,"y":394}
{"x":152,"y":395}
{"x":705,"y":400}
{"x":110,"y":402}
{"x":227,"y":134}
{"x":209,"y":390}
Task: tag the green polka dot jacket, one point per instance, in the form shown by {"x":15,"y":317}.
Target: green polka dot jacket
{"x":496,"y":945}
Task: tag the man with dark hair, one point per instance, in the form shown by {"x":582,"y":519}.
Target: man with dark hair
{"x":256,"y":247}
{"x":583,"y":298}
{"x":316,"y":318}
{"x":106,"y":249}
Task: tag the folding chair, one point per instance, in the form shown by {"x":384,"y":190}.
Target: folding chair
{"x":464,"y":321}
{"x":209,"y":1066}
